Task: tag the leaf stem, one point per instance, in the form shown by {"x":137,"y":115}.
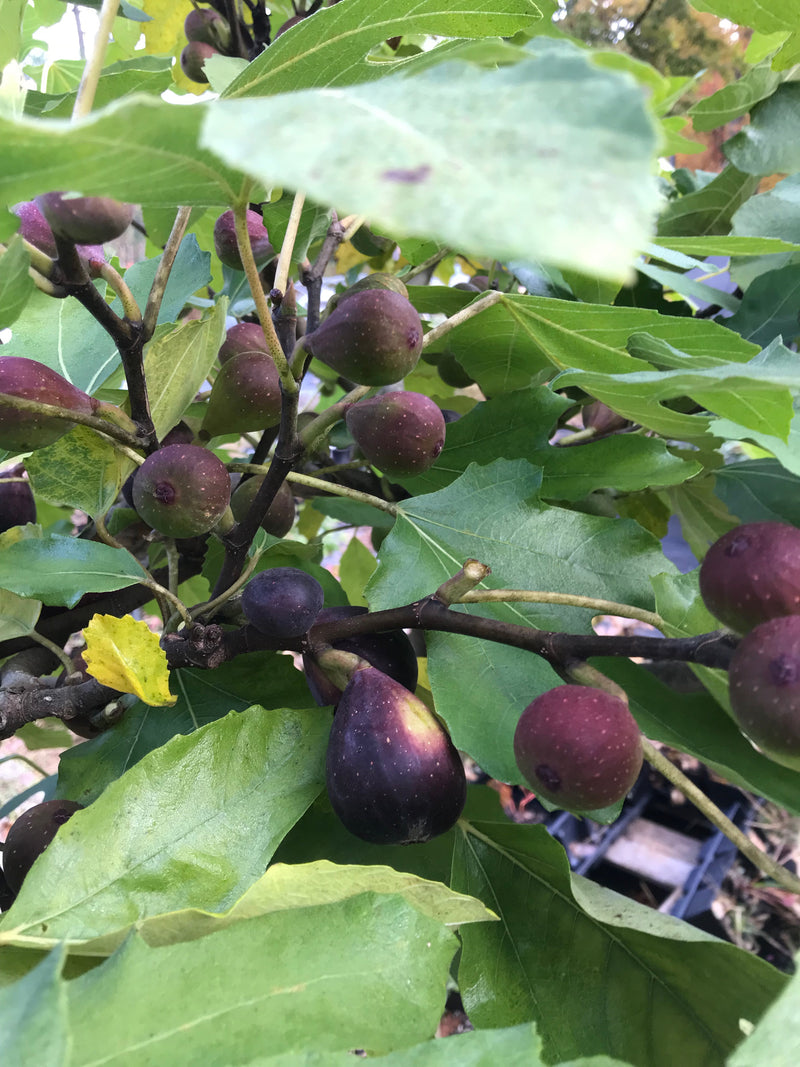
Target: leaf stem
{"x":784,"y":878}
{"x":103,"y":426}
{"x":91,"y":72}
{"x":100,"y":269}
{"x":344,"y":490}
{"x":289,"y":238}
{"x":159,"y":285}
{"x":487,"y":300}
{"x":533,"y":596}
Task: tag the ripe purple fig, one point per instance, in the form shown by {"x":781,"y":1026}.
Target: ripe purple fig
{"x":35,"y":229}
{"x":243,"y":337}
{"x":391,"y":652}
{"x":603,"y":418}
{"x":227,"y":248}
{"x":374,"y":337}
{"x":401,"y":433}
{"x":765,"y":688}
{"x":578,"y":747}
{"x":193,"y":59}
{"x":279,"y":518}
{"x":377,"y":280}
{"x":394,"y":776}
{"x":90,"y":220}
{"x":24,"y":431}
{"x":31,"y":834}
{"x":207,"y":25}
{"x":245,"y":397}
{"x":17,"y":506}
{"x":751,"y":574}
{"x":182,"y":490}
{"x":282,"y":602}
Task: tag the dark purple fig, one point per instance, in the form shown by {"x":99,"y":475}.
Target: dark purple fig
{"x":245,"y":397}
{"x":180,"y":434}
{"x":24,"y":431}
{"x":751,"y":574}
{"x":372,"y":338}
{"x":284,"y":26}
{"x":31,"y":834}
{"x":578,"y":747}
{"x":765,"y":688}
{"x":452,"y":373}
{"x":603,"y":418}
{"x":282,"y":602}
{"x":17,"y":506}
{"x":394,"y":776}
{"x":85,"y":219}
{"x":401,"y":433}
{"x":376,"y":280}
{"x":208,"y":26}
{"x":243,"y":337}
{"x":450,"y":416}
{"x":227,"y":248}
{"x":391,"y":652}
{"x":193,"y":59}
{"x":7,"y":895}
{"x":182,"y":490}
{"x":280,"y":514}
{"x":35,"y":228}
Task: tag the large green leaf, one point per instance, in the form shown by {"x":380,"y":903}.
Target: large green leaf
{"x":708,"y":210}
{"x":760,"y":490}
{"x":769,"y":144}
{"x":81,"y":470}
{"x":596,"y":971}
{"x":769,"y":307}
{"x":775,"y":1040}
{"x":331,"y":48}
{"x":59,"y":570}
{"x":144,"y":74}
{"x":735,"y":99}
{"x":551,"y":160}
{"x":203,"y":697}
{"x":367,"y":972}
{"x":492,"y":514}
{"x":16,"y":284}
{"x":34,"y":1030}
{"x":202,"y":817}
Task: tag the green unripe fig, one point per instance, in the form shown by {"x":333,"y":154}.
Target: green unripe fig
{"x":372,"y":338}
{"x":193,"y":59}
{"x":282,"y":602}
{"x":30,"y":835}
{"x":279,"y":518}
{"x":765,"y":688}
{"x":208,"y":26}
{"x":578,"y":747}
{"x":752,"y":574}
{"x":376,"y":280}
{"x":85,"y":219}
{"x":17,"y":506}
{"x":24,"y":431}
{"x":394,"y":776}
{"x":401,"y":433}
{"x":182,"y":490}
{"x":246,"y":396}
{"x":225,"y":244}
{"x":243,"y":337}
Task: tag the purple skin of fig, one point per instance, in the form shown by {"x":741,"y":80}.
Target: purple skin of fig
{"x":578,"y":747}
{"x":30,"y":835}
{"x":243,"y":337}
{"x":401,"y":433}
{"x":282,"y":602}
{"x":765,"y":688}
{"x":227,"y":248}
{"x":374,"y":337}
{"x":245,"y":397}
{"x":34,"y":228}
{"x":17,"y":506}
{"x":181,"y":490}
{"x":208,"y":26}
{"x":752,"y":574}
{"x":24,"y":431}
{"x":88,"y":220}
{"x":391,"y":652}
{"x":279,"y":518}
{"x":394,"y":776}
{"x":603,"y":418}
{"x":193,"y":58}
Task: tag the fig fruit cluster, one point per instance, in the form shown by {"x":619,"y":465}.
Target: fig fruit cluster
{"x":750,"y":580}
{"x":207,"y":34}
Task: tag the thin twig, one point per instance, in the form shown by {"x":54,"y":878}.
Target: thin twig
{"x":93,"y":69}
{"x":531,"y":596}
{"x":159,"y":285}
{"x":287,"y":248}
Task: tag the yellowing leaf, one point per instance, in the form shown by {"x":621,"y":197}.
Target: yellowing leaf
{"x":164,"y":32}
{"x":125,"y":654}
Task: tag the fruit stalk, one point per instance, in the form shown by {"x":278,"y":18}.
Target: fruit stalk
{"x":536,"y":596}
{"x":464,"y":315}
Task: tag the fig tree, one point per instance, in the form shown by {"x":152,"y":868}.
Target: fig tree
{"x":394,"y":776}
{"x":31,"y":834}
{"x":372,"y":338}
{"x":578,"y":747}
{"x":246,"y":396}
{"x":282,"y":602}
{"x":85,"y":219}
{"x":243,"y":337}
{"x":279,"y":518}
{"x":225,"y":244}
{"x":391,"y":652}
{"x":24,"y":431}
{"x":17,"y":506}
{"x":751,"y":574}
{"x":401,"y":433}
{"x":765,"y":688}
{"x":181,"y":490}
